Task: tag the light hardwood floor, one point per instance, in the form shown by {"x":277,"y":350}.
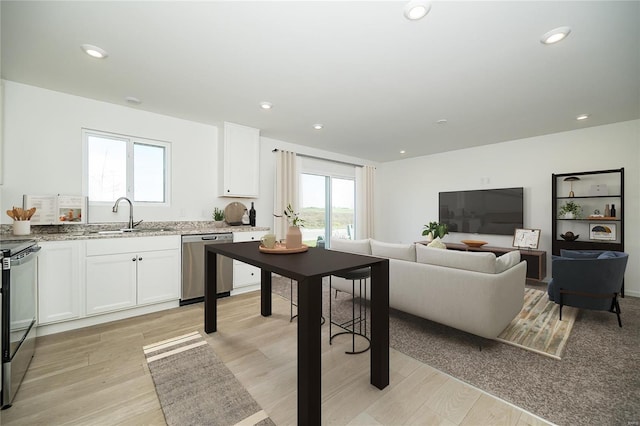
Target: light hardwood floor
{"x":98,"y":375}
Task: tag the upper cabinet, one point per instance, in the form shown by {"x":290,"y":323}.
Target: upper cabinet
{"x":239,"y":156}
{"x":598,"y":223}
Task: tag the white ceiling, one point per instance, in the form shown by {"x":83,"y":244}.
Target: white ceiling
{"x":377,"y":81}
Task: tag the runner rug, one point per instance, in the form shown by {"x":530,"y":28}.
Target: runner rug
{"x":538,"y":328}
{"x":195,"y":388}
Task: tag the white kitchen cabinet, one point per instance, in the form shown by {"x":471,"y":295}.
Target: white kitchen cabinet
{"x":111,"y":282}
{"x":158,"y":276}
{"x":245,"y":277}
{"x":239,"y":161}
{"x":59,"y":281}
{"x":129,"y":272}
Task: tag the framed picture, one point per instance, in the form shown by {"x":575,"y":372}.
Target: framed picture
{"x":602,"y":231}
{"x":526,"y":238}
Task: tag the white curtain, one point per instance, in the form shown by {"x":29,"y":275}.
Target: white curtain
{"x":365,"y":177}
{"x":286,"y":190}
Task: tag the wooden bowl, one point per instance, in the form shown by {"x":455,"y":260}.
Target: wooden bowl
{"x":473,"y":243}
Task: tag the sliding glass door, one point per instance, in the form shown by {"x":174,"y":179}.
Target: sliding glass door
{"x":328,"y":207}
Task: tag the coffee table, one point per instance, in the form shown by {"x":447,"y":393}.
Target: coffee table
{"x":307,"y":269}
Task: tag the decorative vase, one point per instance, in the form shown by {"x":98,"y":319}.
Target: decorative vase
{"x":218,"y":223}
{"x":429,"y":237}
{"x":569,"y":215}
{"x":293,"y":238}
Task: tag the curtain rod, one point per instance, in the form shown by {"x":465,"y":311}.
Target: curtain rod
{"x":324,"y":159}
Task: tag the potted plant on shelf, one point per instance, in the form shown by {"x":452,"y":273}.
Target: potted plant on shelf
{"x":570,"y":210}
{"x":294,"y":236}
{"x":435,"y":230}
{"x":218,"y":217}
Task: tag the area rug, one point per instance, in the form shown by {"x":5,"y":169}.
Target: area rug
{"x":538,"y":328}
{"x":195,"y":388}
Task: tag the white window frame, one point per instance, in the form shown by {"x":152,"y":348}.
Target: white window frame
{"x":130,"y":140}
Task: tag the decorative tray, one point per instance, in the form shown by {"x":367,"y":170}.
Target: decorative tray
{"x":473,"y":243}
{"x":282,"y":249}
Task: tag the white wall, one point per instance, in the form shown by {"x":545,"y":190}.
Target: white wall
{"x":407,"y":190}
{"x":43,"y":151}
{"x":43,"y":155}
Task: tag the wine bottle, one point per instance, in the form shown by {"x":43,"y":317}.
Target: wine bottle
{"x":252,"y":215}
{"x":245,"y":217}
{"x":613,"y":210}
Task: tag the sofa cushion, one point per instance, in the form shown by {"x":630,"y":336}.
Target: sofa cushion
{"x":437,"y":243}
{"x":507,"y":260}
{"x":351,"y":246}
{"x":470,"y":261}
{"x":394,"y":251}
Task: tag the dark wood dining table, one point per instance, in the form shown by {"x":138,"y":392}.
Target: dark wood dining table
{"x":308,"y":268}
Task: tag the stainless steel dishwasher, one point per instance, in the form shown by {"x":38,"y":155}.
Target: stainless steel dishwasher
{"x":193,"y":267}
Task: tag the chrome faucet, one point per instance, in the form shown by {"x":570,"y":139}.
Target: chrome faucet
{"x":115,"y":210}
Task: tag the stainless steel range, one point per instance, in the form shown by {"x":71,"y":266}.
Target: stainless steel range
{"x":19,"y":283}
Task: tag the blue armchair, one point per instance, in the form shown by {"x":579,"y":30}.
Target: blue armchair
{"x":588,"y":279}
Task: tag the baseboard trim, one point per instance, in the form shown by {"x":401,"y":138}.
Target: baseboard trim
{"x":60,"y":327}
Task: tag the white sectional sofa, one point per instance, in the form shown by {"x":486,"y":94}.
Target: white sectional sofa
{"x":475,"y":292}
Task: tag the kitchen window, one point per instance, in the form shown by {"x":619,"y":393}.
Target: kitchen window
{"x":124,"y":166}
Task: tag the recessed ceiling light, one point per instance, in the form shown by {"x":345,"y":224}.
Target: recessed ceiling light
{"x":582,"y":117}
{"x":555,"y":35}
{"x":133,"y":100}
{"x":442,"y":121}
{"x":318,"y":126}
{"x":417,"y":9}
{"x":403,"y":152}
{"x":266,"y":105}
{"x":94,"y":51}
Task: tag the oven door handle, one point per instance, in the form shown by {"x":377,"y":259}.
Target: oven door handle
{"x":33,"y":251}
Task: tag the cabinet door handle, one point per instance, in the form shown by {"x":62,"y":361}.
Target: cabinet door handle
{"x":139,"y":258}
{"x":133,"y":259}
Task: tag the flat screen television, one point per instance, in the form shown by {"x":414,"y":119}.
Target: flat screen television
{"x":486,"y":211}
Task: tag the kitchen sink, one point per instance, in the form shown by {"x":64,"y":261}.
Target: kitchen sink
{"x":134,"y":230}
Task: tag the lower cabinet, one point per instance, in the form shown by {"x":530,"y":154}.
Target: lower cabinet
{"x":245,"y":276}
{"x":111,"y":282}
{"x":59,"y":281}
{"x":159,"y":276}
{"x":124,"y":273}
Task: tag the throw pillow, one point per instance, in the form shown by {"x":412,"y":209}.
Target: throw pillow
{"x":394,"y":251}
{"x":351,"y":246}
{"x":437,"y":243}
{"x":607,"y":255}
{"x":507,"y":260}
{"x":577,"y":254}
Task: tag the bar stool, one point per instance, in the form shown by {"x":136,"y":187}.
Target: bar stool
{"x":349,"y":326}
{"x":292,"y":304}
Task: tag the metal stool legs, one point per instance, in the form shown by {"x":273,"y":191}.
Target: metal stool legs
{"x":355,"y":325}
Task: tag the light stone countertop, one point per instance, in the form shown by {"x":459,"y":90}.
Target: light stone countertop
{"x":145,"y":229}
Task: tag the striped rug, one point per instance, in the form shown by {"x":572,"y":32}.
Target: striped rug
{"x":538,"y":328}
{"x":196,"y":388}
